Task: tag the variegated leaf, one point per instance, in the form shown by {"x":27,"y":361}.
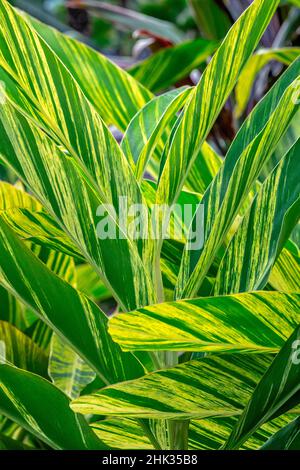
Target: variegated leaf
{"x":253,"y":145}
{"x":265,"y":228}
{"x":257,"y":62}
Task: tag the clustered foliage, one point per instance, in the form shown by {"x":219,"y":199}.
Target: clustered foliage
{"x":132,"y":343}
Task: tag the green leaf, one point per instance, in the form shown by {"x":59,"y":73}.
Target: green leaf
{"x":255,"y":322}
{"x":146,"y":130}
{"x":132,"y":20}
{"x":30,"y":400}
{"x":89,"y":283}
{"x":257,"y":62}
{"x":213,"y":386}
{"x":277,"y":392}
{"x":113,"y":92}
{"x":204,"y":169}
{"x":67,"y":370}
{"x":172,"y":64}
{"x":211,"y":434}
{"x":85,"y":144}
{"x":7,"y":443}
{"x":210,"y":95}
{"x":287,"y":438}
{"x":82,"y":325}
{"x":285,"y":274}
{"x":18,"y":349}
{"x":210,"y":18}
{"x":121,"y":434}
{"x":253,"y":145}
{"x":264,"y":230}
{"x":28,"y":218}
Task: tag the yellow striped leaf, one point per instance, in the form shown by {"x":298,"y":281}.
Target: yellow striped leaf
{"x":82,"y":325}
{"x":257,"y":62}
{"x":29,"y":400}
{"x":146,"y":129}
{"x":210,"y":387}
{"x":264,"y":230}
{"x":19,"y":350}
{"x":67,"y":370}
{"x":209,"y":96}
{"x":276,"y":393}
{"x":56,"y":103}
{"x":253,"y":145}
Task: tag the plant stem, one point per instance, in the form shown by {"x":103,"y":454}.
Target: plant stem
{"x":178,"y":431}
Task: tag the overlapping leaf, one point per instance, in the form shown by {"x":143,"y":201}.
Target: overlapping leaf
{"x":146,"y":129}
{"x":68,"y":117}
{"x":23,"y":397}
{"x":209,"y":96}
{"x":264,"y":230}
{"x":212,"y":21}
{"x":18,"y":349}
{"x":255,"y":322}
{"x":213,"y":386}
{"x":277,"y":392}
{"x":133,"y":20}
{"x":285,"y":275}
{"x":113,"y":92}
{"x":82,"y":324}
{"x":168,"y":66}
{"x":254,"y":66}
{"x":252,"y":147}
{"x":67,"y":370}
{"x":287,"y":438}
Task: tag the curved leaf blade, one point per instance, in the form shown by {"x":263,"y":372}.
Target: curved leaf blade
{"x":28,"y":399}
{"x":213,"y":386}
{"x":251,"y":322}
{"x":277,"y":392}
{"x":265,"y":228}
